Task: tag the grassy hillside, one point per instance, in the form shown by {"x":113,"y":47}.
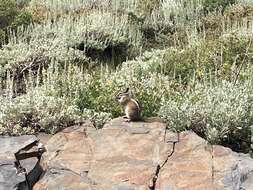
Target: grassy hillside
{"x":187,"y":61}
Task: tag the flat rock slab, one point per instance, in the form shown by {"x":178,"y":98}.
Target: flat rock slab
{"x":140,"y":156}
{"x":10,"y":145}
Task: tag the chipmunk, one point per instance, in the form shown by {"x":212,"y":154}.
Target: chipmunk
{"x":131,"y":106}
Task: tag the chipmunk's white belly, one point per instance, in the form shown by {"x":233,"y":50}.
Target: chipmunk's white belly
{"x":127,"y":112}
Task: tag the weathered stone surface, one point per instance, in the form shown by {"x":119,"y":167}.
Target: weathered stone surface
{"x":139,"y":156}
{"x":198,"y":165}
{"x":8,"y":146}
{"x":43,"y":137}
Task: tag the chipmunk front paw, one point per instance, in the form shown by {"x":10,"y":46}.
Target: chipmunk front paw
{"x":126,"y":119}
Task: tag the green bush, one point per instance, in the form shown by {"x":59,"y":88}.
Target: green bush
{"x":221,"y":113}
{"x":8,"y":12}
{"x":36,"y":112}
{"x":75,"y":40}
{"x":224,"y":58}
{"x":11,"y":16}
{"x":22,"y":3}
{"x":240,"y":11}
{"x":217,"y":5}
{"x":49,"y":107}
{"x":23,"y":18}
{"x":246,"y":2}
{"x":2,"y":37}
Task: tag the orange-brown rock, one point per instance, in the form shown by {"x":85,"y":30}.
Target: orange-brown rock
{"x":140,"y":156}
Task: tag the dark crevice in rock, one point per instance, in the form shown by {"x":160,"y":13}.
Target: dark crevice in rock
{"x":54,"y":170}
{"x":83,"y":175}
{"x":6,"y":164}
{"x":31,"y":149}
{"x":31,"y":178}
{"x":153,"y":182}
{"x":159,"y":167}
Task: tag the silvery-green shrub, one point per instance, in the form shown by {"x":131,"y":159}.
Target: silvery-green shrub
{"x":218,"y":112}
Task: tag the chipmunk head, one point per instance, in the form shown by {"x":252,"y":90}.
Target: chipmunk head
{"x":123,"y":97}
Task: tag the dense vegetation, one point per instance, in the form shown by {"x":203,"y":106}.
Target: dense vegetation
{"x":187,"y":61}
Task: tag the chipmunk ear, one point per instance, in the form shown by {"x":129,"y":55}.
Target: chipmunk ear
{"x":126,"y":91}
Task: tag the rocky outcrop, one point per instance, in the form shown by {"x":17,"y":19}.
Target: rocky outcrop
{"x":8,"y":146}
{"x":20,"y":161}
{"x":140,"y":156}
